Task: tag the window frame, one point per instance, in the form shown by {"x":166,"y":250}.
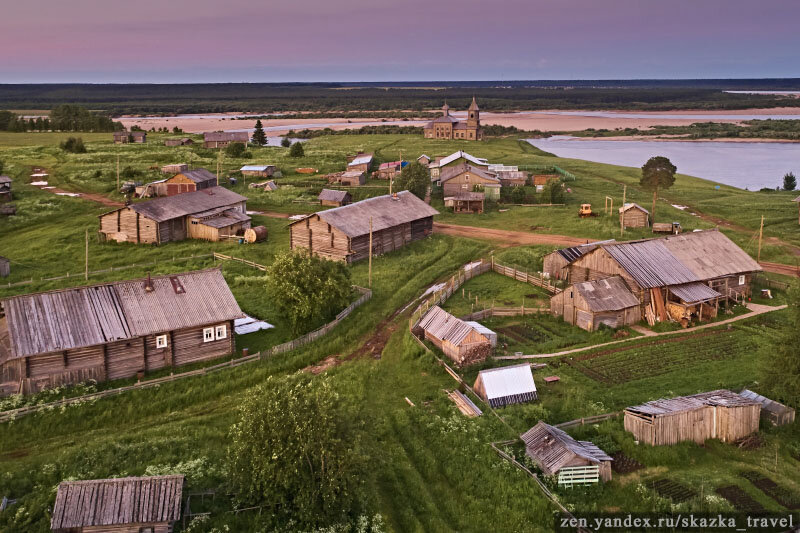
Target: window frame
{"x":162,"y":341}
{"x":224,"y":329}
{"x":742,"y":279}
{"x":208,"y":334}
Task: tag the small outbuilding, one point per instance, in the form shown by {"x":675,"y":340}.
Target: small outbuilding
{"x":424,"y":160}
{"x":261,"y":171}
{"x":5,"y":189}
{"x":556,"y":453}
{"x":124,"y":137}
{"x":5,"y":267}
{"x":334,"y":198}
{"x":719,"y":414}
{"x":483,"y":330}
{"x":183,"y":141}
{"x":352,"y":178}
{"x":459,"y":341}
{"x":221,"y":139}
{"x":776,"y":413}
{"x":540,"y":180}
{"x":125,"y":505}
{"x":390,"y":170}
{"x":466,"y":202}
{"x":506,"y":385}
{"x":556,"y":264}
{"x":361,"y":162}
{"x":190,"y":181}
{"x":511,"y":178}
{"x":589,"y":304}
{"x":634,"y":216}
{"x":174,"y":168}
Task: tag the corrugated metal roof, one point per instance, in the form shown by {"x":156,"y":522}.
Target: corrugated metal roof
{"x":451,"y":172}
{"x":199,"y":175}
{"x":694,"y":292}
{"x":257,"y":168}
{"x":609,"y":294}
{"x":87,"y":316}
{"x":650,"y":263}
{"x":574,"y":253}
{"x":386,"y":211}
{"x":331,"y":195}
{"x":445,"y":326}
{"x":188,"y":203}
{"x":552,"y":448}
{"x":455,"y":155}
{"x":110,"y":502}
{"x":768,"y":405}
{"x":361,"y":159}
{"x":507,"y":381}
{"x":679,"y":404}
{"x":480,"y":328}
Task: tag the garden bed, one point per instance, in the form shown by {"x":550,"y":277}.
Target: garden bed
{"x":672,"y":490}
{"x":782,"y":495}
{"x":739,"y":499}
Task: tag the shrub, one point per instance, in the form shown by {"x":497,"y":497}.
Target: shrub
{"x":285,"y":142}
{"x":518,"y":195}
{"x":235,"y":150}
{"x":74,"y":145}
{"x":297,"y":150}
{"x":415,"y":178}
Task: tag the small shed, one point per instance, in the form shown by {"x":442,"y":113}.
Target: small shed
{"x":5,"y":189}
{"x":424,"y":160}
{"x":512,"y":178}
{"x":5,"y":267}
{"x":221,"y":139}
{"x":556,"y":264}
{"x":458,"y":340}
{"x":352,"y":178}
{"x":125,"y":505}
{"x":124,"y":137}
{"x":184,"y":141}
{"x":634,"y":216}
{"x":390,"y":170}
{"x":361,"y":162}
{"x":719,"y":414}
{"x":486,"y":332}
{"x":334,"y":198}
{"x":553,"y":450}
{"x":776,"y":413}
{"x":188,"y":181}
{"x":540,"y":180}
{"x":174,"y":168}
{"x":466,"y":202}
{"x":506,"y":385}
{"x":589,"y":304}
{"x":261,"y":171}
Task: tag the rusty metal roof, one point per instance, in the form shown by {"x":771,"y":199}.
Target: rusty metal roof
{"x":112,"y":502}
{"x":552,"y":448}
{"x":694,"y":292}
{"x":609,"y":294}
{"x":87,"y":316}
{"x":667,"y":406}
{"x":188,"y":203}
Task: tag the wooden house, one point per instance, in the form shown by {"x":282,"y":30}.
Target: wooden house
{"x":509,"y":176}
{"x":261,"y":171}
{"x":465,"y":178}
{"x":124,"y":137}
{"x":634,"y":216}
{"x":361,"y":162}
{"x":174,"y":168}
{"x":455,"y":159}
{"x":343,"y":233}
{"x":465,"y":202}
{"x":335,"y":198}
{"x":183,"y":141}
{"x":221,"y":139}
{"x":459,"y":341}
{"x":189,"y":181}
{"x":506,"y":385}
{"x":5,"y":189}
{"x":719,"y":414}
{"x":5,"y":267}
{"x":555,"y":451}
{"x":211,"y":214}
{"x":676,"y":276}
{"x":589,"y":304}
{"x":352,"y":178}
{"x":119,"y":505}
{"x":556,"y":264}
{"x":540,"y":180}
{"x":774,"y":412}
{"x":390,"y":170}
{"x":114,"y":330}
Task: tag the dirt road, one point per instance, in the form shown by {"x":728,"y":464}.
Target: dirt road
{"x":779,"y":268}
{"x":509,"y":238}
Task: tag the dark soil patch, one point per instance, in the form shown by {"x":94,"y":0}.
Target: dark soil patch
{"x":740,"y":500}
{"x":16,"y":454}
{"x":676,"y":338}
{"x":622,"y":464}
{"x":782,"y":495}
{"x":677,"y":492}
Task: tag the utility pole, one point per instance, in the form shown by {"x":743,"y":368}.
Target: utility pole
{"x":117,"y":171}
{"x":622,"y":218}
{"x":219,"y":156}
{"x":86,"y":263}
{"x":760,"y":236}
{"x":370,"y":252}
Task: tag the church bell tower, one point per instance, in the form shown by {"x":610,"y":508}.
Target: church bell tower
{"x":473,"y":115}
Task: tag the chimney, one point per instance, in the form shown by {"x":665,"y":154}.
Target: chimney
{"x":148,"y":284}
{"x":394,"y":196}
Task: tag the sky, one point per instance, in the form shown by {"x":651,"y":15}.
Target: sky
{"x":168,"y":41}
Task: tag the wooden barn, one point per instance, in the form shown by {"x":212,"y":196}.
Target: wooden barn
{"x":124,"y":137}
{"x":589,"y":304}
{"x":556,"y":453}
{"x":775,"y":413}
{"x":674,"y":276}
{"x":352,"y":178}
{"x":540,"y":180}
{"x":183,"y":181}
{"x":361,"y":162}
{"x":512,"y":178}
{"x":343,"y":233}
{"x":719,"y":414}
{"x":466,"y":202}
{"x":211,"y":214}
{"x":5,"y":267}
{"x":458,"y":340}
{"x":556,"y":264}
{"x":389,"y":171}
{"x":634,"y":216}
{"x":114,"y":330}
{"x":260,"y":171}
{"x":5,"y":189}
{"x":506,"y":385}
{"x":221,"y":139}
{"x":334,"y":198}
{"x":174,"y":168}
{"x":465,"y":178}
{"x":119,"y":505}
{"x":183,"y":141}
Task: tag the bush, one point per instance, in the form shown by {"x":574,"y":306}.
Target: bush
{"x":285,"y":142}
{"x":297,"y":150}
{"x":789,"y":182}
{"x":236,"y":150}
{"x":414,"y":178}
{"x":553,"y":192}
{"x":518,"y":195}
{"x":74,"y":145}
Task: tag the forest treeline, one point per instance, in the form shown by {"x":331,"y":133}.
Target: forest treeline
{"x":748,"y":129}
{"x":64,"y":117}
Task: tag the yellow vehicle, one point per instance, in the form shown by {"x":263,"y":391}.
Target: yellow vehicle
{"x":586,"y":211}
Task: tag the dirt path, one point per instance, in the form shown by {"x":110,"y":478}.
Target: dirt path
{"x":755,"y":310}
{"x":507,"y":237}
{"x":779,"y":268}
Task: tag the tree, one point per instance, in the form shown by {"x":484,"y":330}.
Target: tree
{"x":297,"y":150}
{"x":73,"y":145}
{"x":553,"y":192}
{"x":293,"y":451}
{"x":307,"y":289}
{"x":414,"y":178}
{"x":285,"y":142}
{"x":259,"y":137}
{"x":2,"y":165}
{"x":789,"y":182}
{"x":235,"y":150}
{"x":517,"y":195}
{"x":780,"y":369}
{"x":657,"y":173}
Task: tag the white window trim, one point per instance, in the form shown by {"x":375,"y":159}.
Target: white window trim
{"x":221,"y":332}
{"x":742,"y":279}
{"x":161,"y":341}
{"x":208,"y":334}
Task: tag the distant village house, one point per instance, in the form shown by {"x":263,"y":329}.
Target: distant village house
{"x":634,"y":216}
{"x":331,"y":197}
{"x":182,"y":182}
{"x":184,"y":141}
{"x":174,"y":168}
{"x":360,"y":162}
{"x":464,"y":178}
{"x":221,"y":139}
{"x":389,"y":171}
{"x":261,"y":171}
{"x":124,"y":137}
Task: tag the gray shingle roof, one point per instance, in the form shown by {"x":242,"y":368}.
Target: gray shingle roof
{"x":445,"y":326}
{"x":666,"y":406}
{"x":199,"y":175}
{"x":188,"y":203}
{"x":609,"y":294}
{"x":552,"y":448}
{"x":331,"y":195}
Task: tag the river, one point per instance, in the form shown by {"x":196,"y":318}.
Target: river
{"x":750,"y":165}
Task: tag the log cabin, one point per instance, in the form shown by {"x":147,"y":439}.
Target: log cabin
{"x":343,"y":233}
{"x":634,"y":216}
{"x":553,"y":450}
{"x":680,"y":276}
{"x":221,"y":139}
{"x":506,"y":385}
{"x":124,"y":137}
{"x":212,"y":214}
{"x":183,"y":181}
{"x":331,"y":197}
{"x":352,"y":178}
{"x":719,"y":414}
{"x":590,"y":304}
{"x":459,"y":341}
{"x":114,"y":330}
{"x":465,"y":178}
{"x":556,"y":263}
{"x":5,"y":189}
{"x":120,"y":505}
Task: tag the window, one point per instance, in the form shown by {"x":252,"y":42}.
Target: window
{"x":222,"y":332}
{"x":161,"y":341}
{"x":146,"y":529}
{"x":208,"y":334}
{"x":741,"y":279}
{"x":465,"y":186}
{"x":466,"y":177}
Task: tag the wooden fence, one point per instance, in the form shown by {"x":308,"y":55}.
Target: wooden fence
{"x":504,"y":311}
{"x":578,"y":475}
{"x":522,"y":275}
{"x":588,"y":420}
{"x":223,"y":257}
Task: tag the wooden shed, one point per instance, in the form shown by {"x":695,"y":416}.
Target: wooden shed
{"x":776,"y":413}
{"x":334,"y":198}
{"x":589,"y":304}
{"x":458,"y":340}
{"x":124,"y":137}
{"x":486,"y":332}
{"x":174,"y":218}
{"x":553,"y":451}
{"x":556,"y":264}
{"x":352,"y":178}
{"x":190,"y":181}
{"x":466,"y":202}
{"x":465,"y":178}
{"x":506,"y":385}
{"x":119,"y":505}
{"x":424,"y":160}
{"x":5,"y":267}
{"x":174,"y":168}
{"x":540,"y":180}
{"x":634,"y":216}
{"x":719,"y":414}
{"x":361,"y":162}
{"x":261,"y":171}
{"x":221,"y":139}
{"x":511,"y":178}
{"x":114,"y":330}
{"x":390,"y":170}
{"x":342,"y":233}
{"x":5,"y":189}
{"x":183,"y":141}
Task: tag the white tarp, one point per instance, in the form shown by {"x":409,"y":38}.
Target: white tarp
{"x":248,"y":324}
